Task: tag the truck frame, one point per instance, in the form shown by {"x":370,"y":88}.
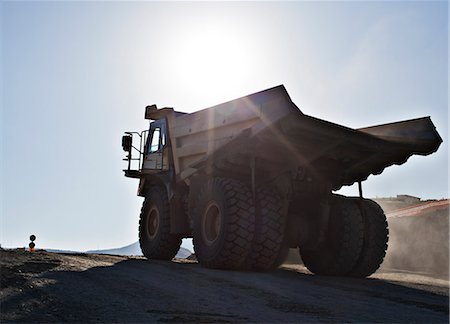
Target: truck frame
{"x":250,"y":178}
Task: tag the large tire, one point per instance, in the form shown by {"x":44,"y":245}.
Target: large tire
{"x":155,"y":238}
{"x":223,"y":224}
{"x":267,"y":251}
{"x":282,"y":254}
{"x":341,"y":248}
{"x":376,"y":235}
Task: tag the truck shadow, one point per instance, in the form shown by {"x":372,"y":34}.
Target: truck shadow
{"x":138,"y":290}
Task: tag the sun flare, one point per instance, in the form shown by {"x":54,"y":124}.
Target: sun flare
{"x":209,"y":60}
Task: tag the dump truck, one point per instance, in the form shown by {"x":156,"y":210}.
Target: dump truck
{"x":250,"y":178}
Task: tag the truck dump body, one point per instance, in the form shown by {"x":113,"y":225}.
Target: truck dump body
{"x":269,"y":127}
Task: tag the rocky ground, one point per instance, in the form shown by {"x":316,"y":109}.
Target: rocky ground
{"x":52,"y":287}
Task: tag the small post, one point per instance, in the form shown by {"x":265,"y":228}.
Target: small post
{"x":129,"y":159}
{"x":360,"y":189}
{"x":32,"y":245}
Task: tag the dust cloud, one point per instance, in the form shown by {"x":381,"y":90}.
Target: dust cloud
{"x":419,"y":243}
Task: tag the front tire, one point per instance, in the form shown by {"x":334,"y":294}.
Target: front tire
{"x":223,"y":224}
{"x":155,"y":238}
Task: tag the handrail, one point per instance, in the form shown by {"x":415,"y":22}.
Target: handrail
{"x":141,"y":150}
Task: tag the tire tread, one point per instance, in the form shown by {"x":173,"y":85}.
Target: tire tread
{"x":169,"y":244}
{"x":239,"y":227}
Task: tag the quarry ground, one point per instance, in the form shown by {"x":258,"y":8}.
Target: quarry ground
{"x":52,"y":287}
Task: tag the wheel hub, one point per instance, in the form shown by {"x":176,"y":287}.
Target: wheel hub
{"x":211,"y":223}
{"x":153,"y":222}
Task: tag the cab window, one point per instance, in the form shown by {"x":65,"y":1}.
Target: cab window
{"x":154,"y":144}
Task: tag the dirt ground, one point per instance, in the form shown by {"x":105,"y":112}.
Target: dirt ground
{"x":52,"y":287}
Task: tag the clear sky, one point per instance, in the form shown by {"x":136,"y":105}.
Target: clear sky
{"x":76,"y":75}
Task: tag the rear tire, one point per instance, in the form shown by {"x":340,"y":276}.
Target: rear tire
{"x":376,"y":236}
{"x":155,"y":238}
{"x":282,"y":255}
{"x":223,"y":224}
{"x":268,"y":247}
{"x":339,"y":252}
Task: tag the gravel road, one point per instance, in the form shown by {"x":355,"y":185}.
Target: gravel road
{"x":52,"y":287}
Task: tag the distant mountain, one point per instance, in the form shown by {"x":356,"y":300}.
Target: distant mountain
{"x":62,"y":251}
{"x":135,"y":249}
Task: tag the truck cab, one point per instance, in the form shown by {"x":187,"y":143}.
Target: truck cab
{"x":149,"y":158}
{"x":156,"y":155}
{"x":151,"y":152}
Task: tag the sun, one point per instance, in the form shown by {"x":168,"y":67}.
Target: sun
{"x":209,"y":60}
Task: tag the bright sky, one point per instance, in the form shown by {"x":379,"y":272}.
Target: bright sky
{"x":76,"y":75}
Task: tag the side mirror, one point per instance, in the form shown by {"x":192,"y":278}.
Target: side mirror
{"x":127,"y":140}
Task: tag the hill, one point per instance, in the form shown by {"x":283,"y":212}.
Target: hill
{"x":135,"y":249}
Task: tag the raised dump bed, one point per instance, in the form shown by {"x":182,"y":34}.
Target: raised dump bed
{"x":269,"y":126}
